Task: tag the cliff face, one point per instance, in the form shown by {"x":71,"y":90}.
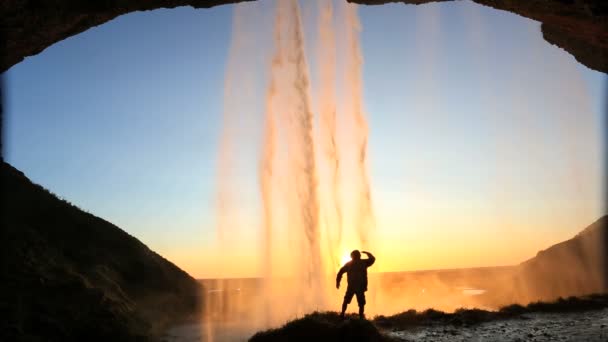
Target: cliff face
{"x":29,"y":26}
{"x":70,"y":276}
{"x":577,"y":266}
{"x":578,"y":26}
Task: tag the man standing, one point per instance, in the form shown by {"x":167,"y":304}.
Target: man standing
{"x":356,"y":275}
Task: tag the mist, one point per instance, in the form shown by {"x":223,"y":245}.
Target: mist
{"x":314,"y":186}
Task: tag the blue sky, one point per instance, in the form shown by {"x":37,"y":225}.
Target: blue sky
{"x":470,"y":111}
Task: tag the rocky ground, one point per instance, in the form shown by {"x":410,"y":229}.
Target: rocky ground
{"x":589,"y":326}
{"x":576,"y":326}
{"x":565,"y":319}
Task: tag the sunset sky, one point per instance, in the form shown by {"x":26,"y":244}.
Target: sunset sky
{"x":485,"y":141}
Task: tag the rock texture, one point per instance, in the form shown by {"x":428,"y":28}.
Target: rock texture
{"x":67,"y":275}
{"x":572,"y":319}
{"x":578,"y":26}
{"x":29,"y":26}
{"x":591,"y":326}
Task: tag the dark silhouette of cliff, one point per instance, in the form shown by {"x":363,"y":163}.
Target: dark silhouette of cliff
{"x":70,"y":276}
{"x":574,"y":267}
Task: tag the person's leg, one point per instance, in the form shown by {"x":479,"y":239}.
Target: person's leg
{"x":361,"y":302}
{"x":348,"y":296}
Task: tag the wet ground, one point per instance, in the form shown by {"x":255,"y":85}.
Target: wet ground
{"x":589,"y":326}
{"x":217,"y":332}
{"x":575,"y":327}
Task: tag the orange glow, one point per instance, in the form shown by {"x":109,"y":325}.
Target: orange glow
{"x":345,"y":258}
{"x":403,"y":243}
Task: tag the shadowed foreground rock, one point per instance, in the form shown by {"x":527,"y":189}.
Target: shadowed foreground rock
{"x":70,"y":276}
{"x":326,"y":326}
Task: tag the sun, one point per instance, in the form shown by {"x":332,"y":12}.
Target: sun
{"x":345,"y":258}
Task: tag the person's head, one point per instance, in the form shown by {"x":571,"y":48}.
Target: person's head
{"x":355,"y":255}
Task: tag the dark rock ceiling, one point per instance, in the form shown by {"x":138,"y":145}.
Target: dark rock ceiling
{"x":580,"y":27}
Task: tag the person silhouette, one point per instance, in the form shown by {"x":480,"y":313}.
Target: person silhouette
{"x":356,"y":275}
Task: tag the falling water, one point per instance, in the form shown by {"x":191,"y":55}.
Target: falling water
{"x":300,"y":187}
{"x":288,"y":110}
{"x":331,"y":206}
{"x":364,"y":221}
{"x":314,"y":192}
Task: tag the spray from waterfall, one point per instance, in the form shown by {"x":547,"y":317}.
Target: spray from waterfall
{"x":288,"y":109}
{"x":332,"y":208}
{"x":311,"y":165}
{"x":364,"y":220}
{"x":301,"y":181}
{"x":267,"y":158}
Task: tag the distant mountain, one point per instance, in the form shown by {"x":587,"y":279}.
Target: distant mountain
{"x":67,"y":275}
{"x":574,"y":267}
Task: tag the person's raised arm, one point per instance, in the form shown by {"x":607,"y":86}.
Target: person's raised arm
{"x":339,"y":276}
{"x":370,"y":258}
